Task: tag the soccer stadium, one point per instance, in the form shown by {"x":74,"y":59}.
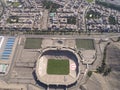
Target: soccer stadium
{"x":58,"y":66}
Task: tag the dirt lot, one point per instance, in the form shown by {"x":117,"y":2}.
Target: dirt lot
{"x":113,"y":60}
{"x":112,"y":81}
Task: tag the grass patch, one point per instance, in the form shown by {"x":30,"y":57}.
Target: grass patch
{"x":87,"y":44}
{"x":33,"y":43}
{"x":58,"y":67}
{"x":90,"y":1}
{"x":16,"y":4}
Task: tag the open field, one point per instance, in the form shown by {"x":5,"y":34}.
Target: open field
{"x":87,"y":44}
{"x":59,"y":67}
{"x":33,"y":43}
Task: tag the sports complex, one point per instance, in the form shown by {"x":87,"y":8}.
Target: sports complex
{"x":50,"y":61}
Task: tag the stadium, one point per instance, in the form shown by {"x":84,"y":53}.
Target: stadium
{"x":58,"y":66}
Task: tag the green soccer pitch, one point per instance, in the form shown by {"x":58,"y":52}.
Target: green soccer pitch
{"x":87,"y":44}
{"x":33,"y":43}
{"x":58,"y":67}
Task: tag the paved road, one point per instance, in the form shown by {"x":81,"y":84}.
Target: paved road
{"x":97,"y":36}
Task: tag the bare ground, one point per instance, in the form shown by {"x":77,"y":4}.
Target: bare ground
{"x":112,"y":81}
{"x":113,"y":60}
